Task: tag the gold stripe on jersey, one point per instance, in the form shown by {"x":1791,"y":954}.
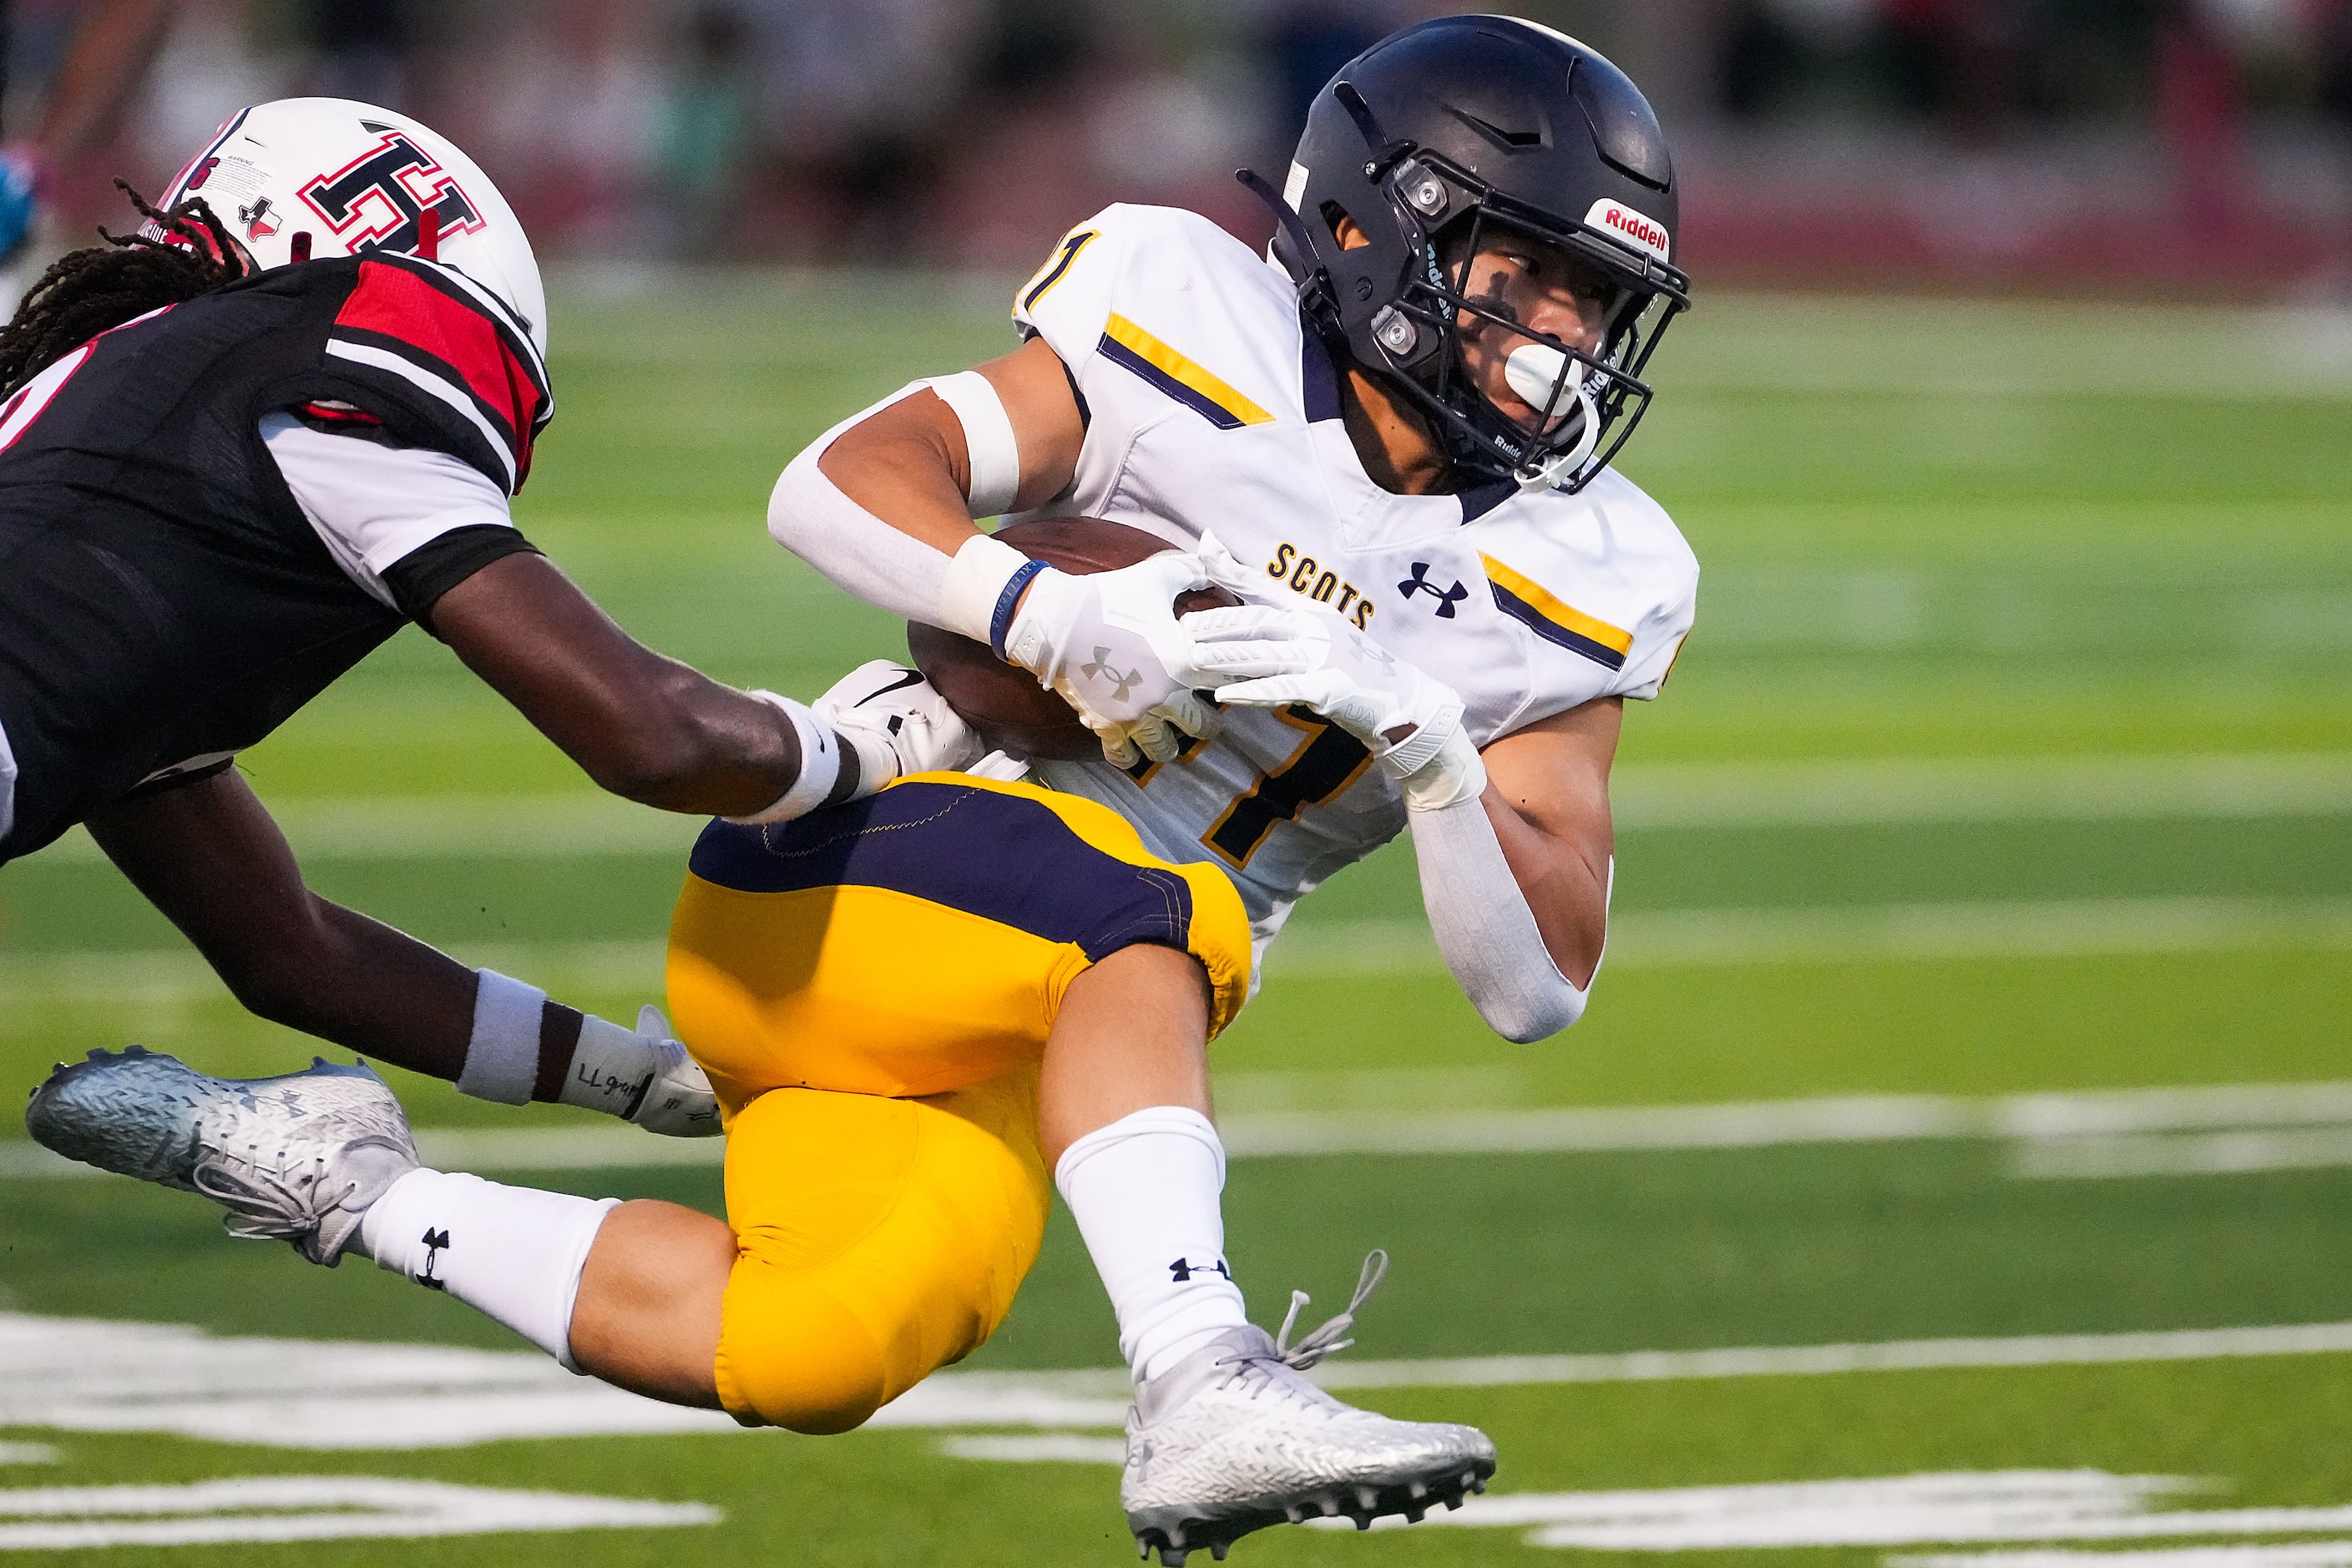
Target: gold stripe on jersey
{"x":1532,"y":605}
{"x":1127,"y":344}
{"x":1051,"y":272}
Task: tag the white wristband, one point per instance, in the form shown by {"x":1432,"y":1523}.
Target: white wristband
{"x":502,"y":1056}
{"x":819,"y":764}
{"x":994,"y":451}
{"x":976,"y":579}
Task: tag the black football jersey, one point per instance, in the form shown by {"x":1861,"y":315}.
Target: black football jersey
{"x":163,"y":600}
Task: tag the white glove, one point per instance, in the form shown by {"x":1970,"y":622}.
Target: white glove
{"x":678,"y":1102}
{"x":896,"y":723}
{"x":612,"y":1067}
{"x":1411,"y":722}
{"x":1109,"y":644}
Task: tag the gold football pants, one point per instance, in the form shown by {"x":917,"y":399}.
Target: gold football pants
{"x":870,"y":989}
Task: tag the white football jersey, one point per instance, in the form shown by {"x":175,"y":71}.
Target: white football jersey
{"x":1209,"y":411}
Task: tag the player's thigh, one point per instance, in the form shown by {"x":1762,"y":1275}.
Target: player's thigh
{"x":922,"y":940}
{"x":879,"y":1239}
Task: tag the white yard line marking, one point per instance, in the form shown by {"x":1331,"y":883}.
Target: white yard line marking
{"x":308,"y":1507}
{"x":2108,"y":1155}
{"x":2300,"y":1554}
{"x":1955,"y":790}
{"x":1862,"y":933}
{"x":2204,"y":1130}
{"x":1651,"y":795}
{"x":87,"y":1376}
{"x":149,"y":979}
{"x":1895,"y":1510}
{"x":1813,"y":1361}
{"x":27,"y":1454}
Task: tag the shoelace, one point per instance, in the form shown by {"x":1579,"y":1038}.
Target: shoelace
{"x":1325,"y":1340}
{"x":267,"y":1207}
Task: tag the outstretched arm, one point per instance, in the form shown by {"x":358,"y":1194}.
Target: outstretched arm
{"x":640,"y":724}
{"x":209,"y":857}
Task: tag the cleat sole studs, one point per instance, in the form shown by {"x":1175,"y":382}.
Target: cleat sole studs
{"x":1217,"y":1550}
{"x":1414,"y":1513}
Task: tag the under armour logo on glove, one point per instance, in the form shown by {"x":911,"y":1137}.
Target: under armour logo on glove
{"x":1446,"y":597}
{"x":1100,"y":669}
{"x":1184,"y":1268}
{"x":437,"y":1242}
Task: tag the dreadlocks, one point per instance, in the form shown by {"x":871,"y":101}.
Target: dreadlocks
{"x":89,"y":292}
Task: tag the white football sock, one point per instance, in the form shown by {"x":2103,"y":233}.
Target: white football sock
{"x":512,"y":1253}
{"x":1145,"y":1192}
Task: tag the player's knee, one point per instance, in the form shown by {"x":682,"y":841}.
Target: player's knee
{"x":796,"y":1356}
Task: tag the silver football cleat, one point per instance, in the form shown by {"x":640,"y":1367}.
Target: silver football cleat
{"x":1234,"y":1438}
{"x":297,"y":1158}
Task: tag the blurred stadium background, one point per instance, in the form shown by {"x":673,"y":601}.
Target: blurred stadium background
{"x":1964,"y":1116}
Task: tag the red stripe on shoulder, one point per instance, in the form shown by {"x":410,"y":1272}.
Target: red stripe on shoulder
{"x":339,"y":414}
{"x":399,"y":304}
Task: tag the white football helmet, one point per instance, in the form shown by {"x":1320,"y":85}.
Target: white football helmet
{"x":354,"y":178}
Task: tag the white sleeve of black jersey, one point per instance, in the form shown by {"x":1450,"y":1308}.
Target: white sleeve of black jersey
{"x":390,"y":515}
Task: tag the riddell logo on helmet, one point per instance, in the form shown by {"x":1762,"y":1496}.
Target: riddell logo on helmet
{"x":1627,"y":226}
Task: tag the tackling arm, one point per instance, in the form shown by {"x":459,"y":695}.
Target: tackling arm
{"x":209,"y":857}
{"x":1516,"y":879}
{"x":642,"y":725}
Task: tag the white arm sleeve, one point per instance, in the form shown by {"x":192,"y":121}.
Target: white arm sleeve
{"x":858,"y":552}
{"x":1484,"y":928}
{"x":373,"y":506}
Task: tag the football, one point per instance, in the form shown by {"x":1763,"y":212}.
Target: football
{"x":1002,"y":702}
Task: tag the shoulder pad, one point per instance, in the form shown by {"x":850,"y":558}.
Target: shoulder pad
{"x":414,"y":327}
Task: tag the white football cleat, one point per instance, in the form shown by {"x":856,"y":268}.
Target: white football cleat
{"x":297,"y":1158}
{"x":1234,"y":1438}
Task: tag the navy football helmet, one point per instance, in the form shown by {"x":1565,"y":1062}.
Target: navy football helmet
{"x":1430,"y":140}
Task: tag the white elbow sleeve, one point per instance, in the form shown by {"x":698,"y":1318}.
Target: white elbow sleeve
{"x":992,"y":450}
{"x":1484,"y":928}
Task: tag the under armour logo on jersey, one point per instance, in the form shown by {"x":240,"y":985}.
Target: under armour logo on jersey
{"x":437,"y":1242}
{"x":1446,"y":597}
{"x":1100,"y":669}
{"x":1184,"y":1268}
{"x":378,"y":201}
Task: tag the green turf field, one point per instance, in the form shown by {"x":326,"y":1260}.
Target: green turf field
{"x":1983,"y":949}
